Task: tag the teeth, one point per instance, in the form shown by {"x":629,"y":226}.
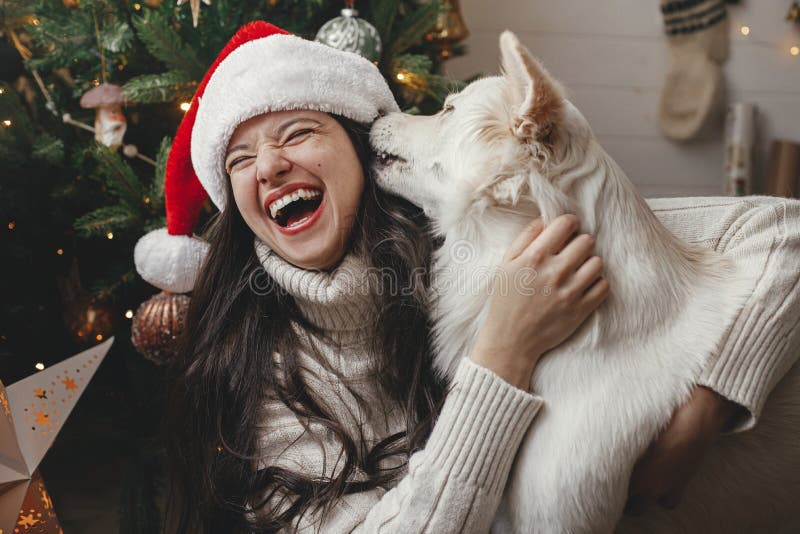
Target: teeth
{"x":288,"y":198}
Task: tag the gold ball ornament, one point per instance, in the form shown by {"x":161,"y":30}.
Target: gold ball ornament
{"x":71,"y":4}
{"x":157,"y":325}
{"x":450,"y":28}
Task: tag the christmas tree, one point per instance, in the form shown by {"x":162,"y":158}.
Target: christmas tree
{"x":73,"y":202}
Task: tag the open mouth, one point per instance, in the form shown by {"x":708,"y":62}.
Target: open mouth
{"x":297,"y":208}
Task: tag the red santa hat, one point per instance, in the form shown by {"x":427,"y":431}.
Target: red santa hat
{"x":262,"y":68}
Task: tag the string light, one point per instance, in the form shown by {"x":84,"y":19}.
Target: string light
{"x":745,"y":30}
{"x":795,"y":50}
{"x":11,"y":225}
{"x":39,"y":366}
{"x":137,"y":7}
{"x":60,"y":251}
{"x":99,"y":337}
{"x":110,"y":235}
{"x":2,"y":90}
{"x":147,"y":200}
{"x":185,"y":106}
{"x":7,"y":123}
{"x":400,"y":76}
{"x":129,"y":314}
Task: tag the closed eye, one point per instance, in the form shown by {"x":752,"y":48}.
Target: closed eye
{"x":233,"y":163}
{"x":447,"y":108}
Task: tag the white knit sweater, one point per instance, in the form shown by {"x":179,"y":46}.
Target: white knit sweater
{"x":455,"y":483}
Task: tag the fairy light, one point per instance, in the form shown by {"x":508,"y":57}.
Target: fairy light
{"x":745,"y":30}
{"x":7,"y":123}
{"x":129,"y":314}
{"x":185,"y":106}
{"x":11,"y":225}
{"x":60,"y":251}
{"x":147,"y":200}
{"x":137,"y":7}
{"x":99,"y":337}
{"x":110,"y":235}
{"x":795,"y":50}
{"x":39,"y":366}
{"x":401,"y":76}
{"x":2,"y":90}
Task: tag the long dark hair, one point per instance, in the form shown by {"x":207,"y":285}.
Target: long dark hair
{"x":225,"y":367}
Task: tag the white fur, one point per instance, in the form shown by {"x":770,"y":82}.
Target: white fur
{"x":296,"y":74}
{"x":614,"y":384}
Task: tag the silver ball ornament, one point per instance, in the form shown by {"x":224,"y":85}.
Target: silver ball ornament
{"x":350,"y":33}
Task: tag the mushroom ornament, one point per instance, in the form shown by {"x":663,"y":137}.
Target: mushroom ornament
{"x":109,"y":121}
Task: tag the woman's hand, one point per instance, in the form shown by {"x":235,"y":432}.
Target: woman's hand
{"x":662,"y":473}
{"x":548,"y":284}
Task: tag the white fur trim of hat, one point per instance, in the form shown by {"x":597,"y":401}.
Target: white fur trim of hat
{"x":277,"y":73}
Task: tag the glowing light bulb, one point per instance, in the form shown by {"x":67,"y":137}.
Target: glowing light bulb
{"x":400,"y":76}
{"x":11,"y":225}
{"x":137,"y":7}
{"x":60,"y":251}
{"x":99,"y":337}
{"x":7,"y":123}
{"x":110,"y":235}
{"x":745,"y":30}
{"x":185,"y":106}
{"x":795,"y":50}
{"x":129,"y":314}
{"x":39,"y":366}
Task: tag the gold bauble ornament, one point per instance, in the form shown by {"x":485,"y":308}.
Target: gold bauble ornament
{"x":450,"y":28}
{"x":71,"y":4}
{"x":157,"y":324}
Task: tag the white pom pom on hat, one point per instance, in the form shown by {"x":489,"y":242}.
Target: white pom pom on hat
{"x":261,"y":69}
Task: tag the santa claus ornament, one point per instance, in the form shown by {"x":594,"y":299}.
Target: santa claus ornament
{"x":109,"y":121}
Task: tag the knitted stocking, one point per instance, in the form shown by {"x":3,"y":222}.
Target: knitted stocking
{"x":698,"y":37}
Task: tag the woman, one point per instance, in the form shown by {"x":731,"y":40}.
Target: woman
{"x":303,"y":395}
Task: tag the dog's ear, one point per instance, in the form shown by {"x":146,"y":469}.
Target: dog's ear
{"x":540,"y":98}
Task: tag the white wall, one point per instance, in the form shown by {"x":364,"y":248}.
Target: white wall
{"x":612,"y":56}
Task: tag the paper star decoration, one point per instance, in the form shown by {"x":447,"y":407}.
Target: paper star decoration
{"x":195,"y":6}
{"x":33,"y":411}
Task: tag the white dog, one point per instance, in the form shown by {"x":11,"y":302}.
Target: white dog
{"x":509,"y":148}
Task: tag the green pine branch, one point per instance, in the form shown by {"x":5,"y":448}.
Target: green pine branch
{"x":414,"y":27}
{"x":164,"y":43}
{"x":103,"y":220}
{"x":168,"y":86}
{"x":156,"y":192}
{"x":118,"y":176}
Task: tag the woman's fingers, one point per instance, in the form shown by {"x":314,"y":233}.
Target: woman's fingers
{"x":587,"y":274}
{"x":596,"y":294}
{"x":530,"y":232}
{"x":577,"y":251}
{"x":553,"y":238}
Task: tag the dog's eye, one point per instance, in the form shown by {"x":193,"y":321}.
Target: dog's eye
{"x":448,"y":108}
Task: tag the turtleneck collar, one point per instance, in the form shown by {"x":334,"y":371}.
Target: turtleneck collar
{"x":340,"y":300}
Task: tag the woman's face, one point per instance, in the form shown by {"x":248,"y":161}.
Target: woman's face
{"x":297,"y":182}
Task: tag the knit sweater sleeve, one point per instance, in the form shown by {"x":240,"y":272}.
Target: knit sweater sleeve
{"x":455,"y":483}
{"x":761,"y":235}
